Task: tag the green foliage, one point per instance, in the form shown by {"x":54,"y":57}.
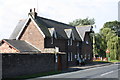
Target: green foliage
{"x":114,"y":25}
{"x":108,"y":39}
{"x":99,"y":46}
{"x":85,"y":21}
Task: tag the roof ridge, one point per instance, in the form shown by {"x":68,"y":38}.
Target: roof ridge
{"x":32,"y":46}
{"x":56,"y":21}
{"x":5,"y":40}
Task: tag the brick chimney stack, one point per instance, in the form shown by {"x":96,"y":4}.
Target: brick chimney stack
{"x":33,"y":13}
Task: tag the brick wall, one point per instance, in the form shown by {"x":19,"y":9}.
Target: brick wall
{"x":64,"y":47}
{"x":27,"y":64}
{"x":61,"y":43}
{"x":5,"y":48}
{"x":87,"y":48}
{"x":32,"y":35}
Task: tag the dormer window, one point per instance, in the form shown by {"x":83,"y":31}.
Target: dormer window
{"x":53,"y":34}
{"x":52,"y":40}
{"x":68,"y":42}
{"x":71,"y":41}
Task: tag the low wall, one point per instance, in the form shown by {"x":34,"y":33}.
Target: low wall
{"x":26,"y":64}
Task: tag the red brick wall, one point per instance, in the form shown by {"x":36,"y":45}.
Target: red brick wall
{"x":61,"y":43}
{"x":64,"y":47}
{"x":87,"y":48}
{"x":32,"y":35}
{"x":5,"y":48}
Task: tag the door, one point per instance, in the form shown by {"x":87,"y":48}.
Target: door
{"x":59,"y":63}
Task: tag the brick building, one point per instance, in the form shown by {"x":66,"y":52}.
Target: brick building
{"x":42,"y":35}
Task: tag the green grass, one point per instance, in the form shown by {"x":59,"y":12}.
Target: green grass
{"x":115,"y":61}
{"x":101,"y":61}
{"x":35,"y":75}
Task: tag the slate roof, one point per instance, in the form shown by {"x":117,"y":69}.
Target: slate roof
{"x":63,"y":31}
{"x":21,"y":45}
{"x":83,"y":29}
{"x":17,"y":29}
{"x":59,"y":27}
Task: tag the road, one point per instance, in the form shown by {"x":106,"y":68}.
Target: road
{"x":110,"y":71}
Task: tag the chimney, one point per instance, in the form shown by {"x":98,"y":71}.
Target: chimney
{"x":33,"y":13}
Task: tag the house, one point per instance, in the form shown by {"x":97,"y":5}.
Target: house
{"x":16,"y":46}
{"x":41,"y":35}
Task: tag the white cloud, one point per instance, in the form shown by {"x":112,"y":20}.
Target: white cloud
{"x":61,"y":10}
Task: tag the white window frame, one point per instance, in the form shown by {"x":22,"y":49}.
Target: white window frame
{"x":78,"y":43}
{"x":86,"y":42}
{"x":52,"y":40}
{"x":55,"y":35}
{"x":75,"y":56}
{"x":68,"y":56}
{"x":86,"y":57}
{"x":68,"y":42}
{"x":56,"y":58}
{"x":71,"y":58}
{"x":81,"y":56}
{"x":71,"y":41}
{"x":89,"y":56}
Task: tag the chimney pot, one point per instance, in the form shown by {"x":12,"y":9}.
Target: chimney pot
{"x":34,"y":9}
{"x":30,"y":10}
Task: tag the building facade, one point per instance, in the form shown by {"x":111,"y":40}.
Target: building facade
{"x":49,"y":36}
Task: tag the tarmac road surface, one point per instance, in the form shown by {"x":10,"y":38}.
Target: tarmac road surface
{"x":109,"y":71}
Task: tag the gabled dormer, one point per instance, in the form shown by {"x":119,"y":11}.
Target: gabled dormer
{"x":53,"y":34}
{"x":70,"y":35}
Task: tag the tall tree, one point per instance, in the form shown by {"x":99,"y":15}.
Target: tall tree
{"x":85,"y":21}
{"x":109,"y":39}
{"x":114,"y":25}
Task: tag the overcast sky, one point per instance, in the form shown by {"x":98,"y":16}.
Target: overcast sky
{"x":11,"y":11}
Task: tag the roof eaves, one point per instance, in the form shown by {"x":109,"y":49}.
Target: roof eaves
{"x":37,"y":26}
{"x":79,"y":34}
{"x":22,"y":29}
{"x":33,"y":46}
{"x":5,"y":40}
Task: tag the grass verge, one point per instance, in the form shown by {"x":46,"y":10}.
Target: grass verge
{"x":115,"y":61}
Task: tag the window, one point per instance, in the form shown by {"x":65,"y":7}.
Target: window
{"x":78,"y":43}
{"x":56,"y":58}
{"x":68,"y":56}
{"x":71,"y":57}
{"x":75,"y":56}
{"x":81,"y":56}
{"x":54,"y":36}
{"x":87,"y":42}
{"x":89,"y":56}
{"x":52,"y":40}
{"x":70,"y":41}
{"x":78,"y":56}
{"x":85,"y":56}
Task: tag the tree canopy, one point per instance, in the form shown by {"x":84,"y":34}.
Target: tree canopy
{"x":108,"y":38}
{"x":79,"y":22}
{"x":114,"y":25}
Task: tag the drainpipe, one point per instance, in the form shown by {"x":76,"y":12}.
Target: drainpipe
{"x":56,"y":58}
